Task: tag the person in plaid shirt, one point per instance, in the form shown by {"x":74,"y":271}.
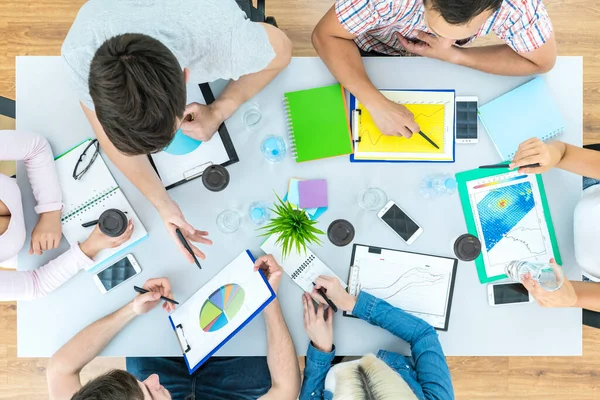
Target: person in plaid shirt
{"x":431,"y":28}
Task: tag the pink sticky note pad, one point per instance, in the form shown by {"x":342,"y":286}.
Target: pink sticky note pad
{"x":313,"y":193}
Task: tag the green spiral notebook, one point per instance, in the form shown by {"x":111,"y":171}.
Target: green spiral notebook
{"x":318,"y":123}
{"x":509,"y":214}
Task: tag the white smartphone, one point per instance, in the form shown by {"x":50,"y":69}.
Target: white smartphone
{"x":466,"y":120}
{"x":400,"y":222}
{"x":508,"y":293}
{"x":121,"y":271}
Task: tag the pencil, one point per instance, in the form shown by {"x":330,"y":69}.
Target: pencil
{"x":329,"y":302}
{"x":429,"y":140}
{"x":536,"y":165}
{"x":187,"y":246}
{"x":142,"y":291}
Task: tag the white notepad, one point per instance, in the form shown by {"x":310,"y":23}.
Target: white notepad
{"x":220,"y":309}
{"x":302,"y":268}
{"x":420,"y":284}
{"x":85,"y":199}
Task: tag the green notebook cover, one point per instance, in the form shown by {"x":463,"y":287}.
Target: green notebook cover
{"x":462,"y":178}
{"x":318,"y":123}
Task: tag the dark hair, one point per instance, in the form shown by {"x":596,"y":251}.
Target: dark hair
{"x":138,"y":89}
{"x":114,"y":385}
{"x":458,"y":12}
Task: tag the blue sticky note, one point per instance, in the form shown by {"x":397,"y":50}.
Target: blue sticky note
{"x":182,"y":144}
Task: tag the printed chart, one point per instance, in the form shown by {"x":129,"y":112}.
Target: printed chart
{"x":510,"y":219}
{"x":420,"y":284}
{"x":429,"y":117}
{"x":221,"y":307}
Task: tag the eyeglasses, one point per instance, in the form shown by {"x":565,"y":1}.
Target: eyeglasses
{"x":86,"y":159}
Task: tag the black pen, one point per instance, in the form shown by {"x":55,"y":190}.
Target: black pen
{"x":187,"y":246}
{"x":142,"y":291}
{"x":503,"y":165}
{"x":329,"y":302}
{"x":429,"y":140}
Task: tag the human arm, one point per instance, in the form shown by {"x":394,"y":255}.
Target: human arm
{"x":430,"y":364}
{"x":335,"y":45}
{"x":207,"y":119}
{"x":318,"y":324}
{"x":281,"y":354}
{"x":571,"y":158}
{"x":35,"y":152}
{"x":66,"y":364}
{"x":30,"y":285}
{"x":139,"y":171}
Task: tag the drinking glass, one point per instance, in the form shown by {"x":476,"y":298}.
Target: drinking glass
{"x":251,"y":116}
{"x":228,"y":221}
{"x":550,"y":277}
{"x":372,"y":199}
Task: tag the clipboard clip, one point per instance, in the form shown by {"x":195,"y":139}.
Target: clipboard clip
{"x":355,"y":123}
{"x":196,"y":171}
{"x":181,"y":339}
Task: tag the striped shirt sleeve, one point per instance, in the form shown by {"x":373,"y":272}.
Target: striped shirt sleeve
{"x":528,"y":26}
{"x":360,"y":16}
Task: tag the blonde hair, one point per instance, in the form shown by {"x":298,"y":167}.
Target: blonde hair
{"x":370,"y":379}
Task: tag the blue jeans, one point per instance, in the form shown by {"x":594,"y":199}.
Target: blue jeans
{"x":587,"y":182}
{"x":220,"y":378}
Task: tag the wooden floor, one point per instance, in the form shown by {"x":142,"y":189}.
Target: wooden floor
{"x":39,"y":27}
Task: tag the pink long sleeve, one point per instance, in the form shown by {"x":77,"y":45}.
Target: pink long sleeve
{"x":35,"y":151}
{"x":30,"y":285}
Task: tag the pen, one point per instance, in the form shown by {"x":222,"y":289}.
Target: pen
{"x":187,"y":246}
{"x":329,"y":302}
{"x":142,"y":291}
{"x":503,"y":165}
{"x":429,"y":140}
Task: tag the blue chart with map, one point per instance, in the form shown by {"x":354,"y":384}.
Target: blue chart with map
{"x":502,"y":209}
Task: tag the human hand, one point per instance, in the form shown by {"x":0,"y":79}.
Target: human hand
{"x":98,"y":241}
{"x":430,"y":46}
{"x":393,"y":119}
{"x":318,"y":324}
{"x":157,"y":287}
{"x":565,"y":296}
{"x":534,"y":151}
{"x":201,"y":122}
{"x":47,"y":233}
{"x":336,"y":293}
{"x":271,"y":269}
{"x":173,"y":218}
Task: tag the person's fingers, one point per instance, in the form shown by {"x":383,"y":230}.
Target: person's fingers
{"x":186,"y":229}
{"x":305,"y":306}
{"x":317,"y":296}
{"x":530,"y":171}
{"x":36,"y":248}
{"x":158,"y":283}
{"x":424,"y":37}
{"x":43,"y":245}
{"x":180,"y":245}
{"x":527,"y":282}
{"x":148,"y":297}
{"x":405,"y":132}
{"x":330,"y":317}
{"x":405,"y":42}
{"x":527,"y":160}
{"x":31,"y":247}
{"x":323,"y":281}
{"x":413,"y":126}
{"x":199,"y":237}
{"x":320,"y":311}
{"x":529,"y":153}
{"x":197,"y":252}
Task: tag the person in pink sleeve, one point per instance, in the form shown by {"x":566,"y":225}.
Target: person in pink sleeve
{"x":36,"y":153}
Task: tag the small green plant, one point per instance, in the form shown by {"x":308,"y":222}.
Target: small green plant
{"x":293,"y":226}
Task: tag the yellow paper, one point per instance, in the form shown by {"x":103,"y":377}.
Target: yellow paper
{"x":430,"y":117}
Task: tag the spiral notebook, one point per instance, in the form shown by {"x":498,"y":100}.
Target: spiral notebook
{"x":523,"y":113}
{"x":302,"y":268}
{"x":317,"y":123}
{"x":85,"y":199}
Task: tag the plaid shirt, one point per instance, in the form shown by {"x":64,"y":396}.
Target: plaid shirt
{"x":524,"y":25}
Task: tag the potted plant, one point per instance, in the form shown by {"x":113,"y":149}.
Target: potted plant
{"x":293,"y":227}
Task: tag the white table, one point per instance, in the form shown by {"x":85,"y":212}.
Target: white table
{"x":46,"y":104}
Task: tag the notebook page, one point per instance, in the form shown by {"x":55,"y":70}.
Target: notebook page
{"x":302,"y":268}
{"x":523,"y":113}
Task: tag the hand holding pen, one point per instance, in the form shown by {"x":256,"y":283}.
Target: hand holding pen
{"x":334,"y":291}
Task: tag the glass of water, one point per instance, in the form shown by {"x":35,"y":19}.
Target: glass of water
{"x":273,"y":148}
{"x":259,"y":212}
{"x":550,"y":277}
{"x":251,"y":116}
{"x":228,"y":221}
{"x":372,"y":199}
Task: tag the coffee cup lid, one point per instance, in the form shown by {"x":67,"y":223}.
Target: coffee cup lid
{"x":467,"y":247}
{"x":215,"y":178}
{"x":340,"y":232}
{"x":113,"y":222}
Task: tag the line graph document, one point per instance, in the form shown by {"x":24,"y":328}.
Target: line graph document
{"x":417,"y":283}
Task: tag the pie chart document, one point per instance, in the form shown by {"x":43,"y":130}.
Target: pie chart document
{"x":220,"y":309}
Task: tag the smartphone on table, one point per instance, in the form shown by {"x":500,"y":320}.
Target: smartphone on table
{"x":508,"y":293}
{"x":466,"y":119}
{"x":398,"y":221}
{"x":121,"y":271}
